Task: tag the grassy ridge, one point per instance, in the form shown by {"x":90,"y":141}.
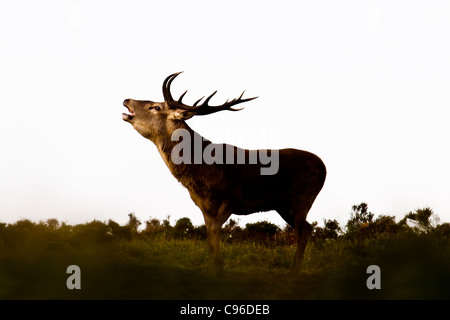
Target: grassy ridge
{"x":34,"y":258}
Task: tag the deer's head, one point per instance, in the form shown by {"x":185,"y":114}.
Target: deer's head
{"x":154,"y":119}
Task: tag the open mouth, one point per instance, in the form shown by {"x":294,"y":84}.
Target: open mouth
{"x":126,"y":116}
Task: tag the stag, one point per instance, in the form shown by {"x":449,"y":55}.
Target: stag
{"x":222,"y":188}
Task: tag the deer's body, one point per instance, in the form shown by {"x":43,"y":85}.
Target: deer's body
{"x":221,"y":189}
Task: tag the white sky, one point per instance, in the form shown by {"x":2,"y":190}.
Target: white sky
{"x":363,"y":84}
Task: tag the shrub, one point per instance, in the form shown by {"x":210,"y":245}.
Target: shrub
{"x":261,"y":231}
{"x":183,"y":229}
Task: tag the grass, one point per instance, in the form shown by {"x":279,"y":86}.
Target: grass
{"x":413,"y":266}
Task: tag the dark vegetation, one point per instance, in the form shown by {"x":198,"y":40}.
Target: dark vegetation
{"x":158,"y":260}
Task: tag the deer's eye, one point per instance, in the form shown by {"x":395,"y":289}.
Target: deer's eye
{"x":157,"y":108}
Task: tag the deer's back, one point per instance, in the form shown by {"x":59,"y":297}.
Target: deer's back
{"x":300,"y":174}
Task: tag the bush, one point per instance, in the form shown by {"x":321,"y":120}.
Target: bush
{"x":359,"y":217}
{"x":414,"y":263}
{"x":331,"y":230}
{"x":263,"y":231}
{"x":425,"y":219}
{"x":183,"y":229}
{"x":95,"y":232}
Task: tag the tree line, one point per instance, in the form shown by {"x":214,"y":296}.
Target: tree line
{"x":362,"y":224}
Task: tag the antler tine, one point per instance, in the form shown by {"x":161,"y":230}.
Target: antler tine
{"x":209,"y":98}
{"x":205,"y":109}
{"x":182,"y":96}
{"x":202,"y":109}
{"x":166,"y":86}
{"x":196,"y":102}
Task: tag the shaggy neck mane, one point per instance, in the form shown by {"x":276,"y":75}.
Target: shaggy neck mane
{"x":190,"y":175}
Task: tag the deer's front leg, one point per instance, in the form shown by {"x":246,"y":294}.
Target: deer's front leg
{"x":213,"y":225}
{"x":216,"y":265}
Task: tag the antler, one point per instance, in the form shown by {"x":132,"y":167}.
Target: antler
{"x":202,"y":109}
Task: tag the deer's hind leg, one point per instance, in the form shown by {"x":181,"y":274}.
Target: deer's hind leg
{"x":304,"y":230}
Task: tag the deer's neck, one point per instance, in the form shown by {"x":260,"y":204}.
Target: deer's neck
{"x":180,"y":133}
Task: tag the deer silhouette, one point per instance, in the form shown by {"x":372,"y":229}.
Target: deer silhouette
{"x":223,"y":179}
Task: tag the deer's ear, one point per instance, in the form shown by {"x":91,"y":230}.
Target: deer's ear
{"x":180,"y":114}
